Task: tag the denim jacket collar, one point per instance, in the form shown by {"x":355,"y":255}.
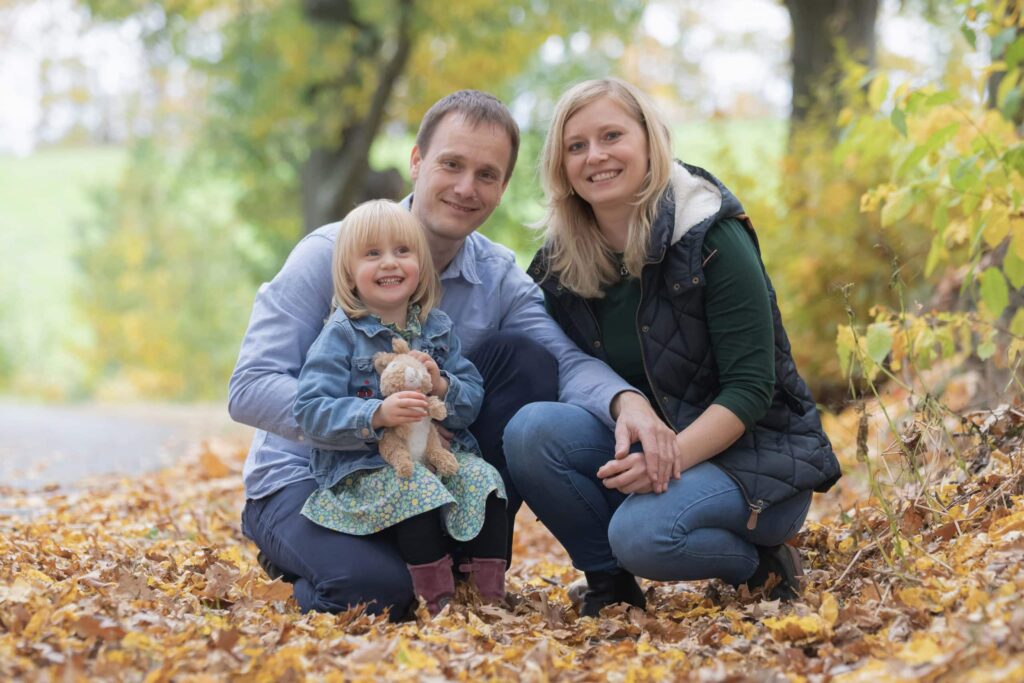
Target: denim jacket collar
{"x":435,"y":326}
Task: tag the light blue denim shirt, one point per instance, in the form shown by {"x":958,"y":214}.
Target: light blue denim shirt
{"x":339,"y":391}
{"x":484,"y":292}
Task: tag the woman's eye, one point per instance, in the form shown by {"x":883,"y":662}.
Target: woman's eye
{"x":612,"y":135}
{"x":575,"y":147}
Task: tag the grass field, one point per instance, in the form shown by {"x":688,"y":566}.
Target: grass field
{"x":43,"y":199}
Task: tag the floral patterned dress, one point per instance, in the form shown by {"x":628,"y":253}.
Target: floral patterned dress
{"x":369,"y":501}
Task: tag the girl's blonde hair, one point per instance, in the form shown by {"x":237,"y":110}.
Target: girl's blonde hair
{"x":366,"y":225}
{"x":579,"y":254}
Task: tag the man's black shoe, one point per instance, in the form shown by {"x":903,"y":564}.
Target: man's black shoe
{"x":608,"y":588}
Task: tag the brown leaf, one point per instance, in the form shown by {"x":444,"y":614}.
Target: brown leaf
{"x":103,"y":628}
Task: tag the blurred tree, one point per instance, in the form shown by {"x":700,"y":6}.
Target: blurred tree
{"x":824,"y":31}
{"x":301,"y":90}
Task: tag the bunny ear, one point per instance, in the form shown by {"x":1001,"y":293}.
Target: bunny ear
{"x":381,"y":360}
{"x":399,"y":345}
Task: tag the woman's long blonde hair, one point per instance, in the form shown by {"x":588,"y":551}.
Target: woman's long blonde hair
{"x":579,"y":254}
{"x":367,"y":224}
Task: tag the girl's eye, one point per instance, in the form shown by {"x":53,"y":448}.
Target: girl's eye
{"x":403,"y":250}
{"x":612,"y":135}
{"x":373,"y":252}
{"x":575,"y":146}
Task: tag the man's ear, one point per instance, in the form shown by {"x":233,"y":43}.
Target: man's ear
{"x":415,"y":159}
{"x":381,"y":360}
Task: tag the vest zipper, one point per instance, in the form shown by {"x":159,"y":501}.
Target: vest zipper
{"x":643,"y":356}
{"x":756,"y":508}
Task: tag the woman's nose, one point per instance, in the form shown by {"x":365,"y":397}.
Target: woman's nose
{"x":596,"y":154}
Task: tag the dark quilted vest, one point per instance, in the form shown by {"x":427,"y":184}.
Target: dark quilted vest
{"x":787,"y":451}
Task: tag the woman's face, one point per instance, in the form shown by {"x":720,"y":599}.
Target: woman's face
{"x":606,"y":155}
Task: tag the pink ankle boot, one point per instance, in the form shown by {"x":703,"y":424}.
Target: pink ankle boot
{"x":434,"y":583}
{"x":488,"y":575}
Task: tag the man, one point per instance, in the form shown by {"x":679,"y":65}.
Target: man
{"x":461,"y":163}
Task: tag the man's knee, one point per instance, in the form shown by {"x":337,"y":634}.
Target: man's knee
{"x":524,"y":360}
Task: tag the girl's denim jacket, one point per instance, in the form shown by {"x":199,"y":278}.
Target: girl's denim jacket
{"x":339,"y":391}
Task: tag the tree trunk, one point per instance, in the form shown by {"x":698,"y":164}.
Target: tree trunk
{"x":818,"y":26}
{"x":335,"y":179}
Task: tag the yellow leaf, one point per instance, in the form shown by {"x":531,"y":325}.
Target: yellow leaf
{"x":1014,"y":522}
{"x":798,"y":629}
{"x":976,"y":599}
{"x":829,"y":610}
{"x":922,"y":649}
{"x":414,"y":658}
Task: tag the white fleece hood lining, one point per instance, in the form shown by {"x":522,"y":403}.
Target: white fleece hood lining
{"x":696,"y":199}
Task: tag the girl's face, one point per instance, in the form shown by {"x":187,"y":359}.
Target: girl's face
{"x":386,"y":273}
{"x":605,"y":154}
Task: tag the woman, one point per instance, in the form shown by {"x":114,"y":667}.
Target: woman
{"x":652,"y":266}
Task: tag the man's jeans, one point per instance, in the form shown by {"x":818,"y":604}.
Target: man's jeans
{"x":695,"y":530}
{"x":336,"y":571}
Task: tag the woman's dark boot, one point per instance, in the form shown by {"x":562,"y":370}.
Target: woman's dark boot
{"x":487,"y":574}
{"x":784,"y":562}
{"x":434,"y":583}
{"x":608,"y":588}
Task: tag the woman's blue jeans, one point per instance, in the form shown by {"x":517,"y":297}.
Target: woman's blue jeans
{"x":695,"y":530}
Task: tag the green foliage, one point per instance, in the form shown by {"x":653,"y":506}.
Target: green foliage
{"x":959,"y":167}
{"x":164,"y":290}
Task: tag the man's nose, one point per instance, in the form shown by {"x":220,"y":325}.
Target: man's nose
{"x":464,"y":185}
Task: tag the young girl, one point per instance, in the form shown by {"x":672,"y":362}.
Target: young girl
{"x":385,"y":286}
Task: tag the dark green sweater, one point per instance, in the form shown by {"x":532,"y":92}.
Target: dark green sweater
{"x":739,"y":322}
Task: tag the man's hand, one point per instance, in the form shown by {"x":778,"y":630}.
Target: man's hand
{"x":635,"y":420}
{"x":439,"y":383}
{"x":400,"y":408}
{"x":628,"y":474}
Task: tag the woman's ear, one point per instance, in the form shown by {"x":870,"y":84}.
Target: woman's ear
{"x":381,"y":360}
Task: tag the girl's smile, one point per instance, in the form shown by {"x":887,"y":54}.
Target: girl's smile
{"x":386,"y":274}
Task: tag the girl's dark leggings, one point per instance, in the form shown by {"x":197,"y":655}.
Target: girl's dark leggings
{"x":421,"y":539}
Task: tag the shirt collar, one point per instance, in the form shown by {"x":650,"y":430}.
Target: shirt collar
{"x":464,"y":264}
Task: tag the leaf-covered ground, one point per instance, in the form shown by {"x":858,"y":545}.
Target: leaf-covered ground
{"x":150,"y":579}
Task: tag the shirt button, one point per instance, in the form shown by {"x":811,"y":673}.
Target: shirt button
{"x":645,"y":329}
{"x":695,"y":280}
{"x":366,"y":432}
{"x":597,"y":344}
{"x":301,"y":437}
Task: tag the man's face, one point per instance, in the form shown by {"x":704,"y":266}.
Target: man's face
{"x":459,"y":180}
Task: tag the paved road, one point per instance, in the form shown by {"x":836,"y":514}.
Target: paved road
{"x":65,"y":444}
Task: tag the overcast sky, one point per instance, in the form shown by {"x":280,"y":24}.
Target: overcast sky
{"x":111,"y":56}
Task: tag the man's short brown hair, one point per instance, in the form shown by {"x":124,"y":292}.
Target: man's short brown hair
{"x":475,"y":107}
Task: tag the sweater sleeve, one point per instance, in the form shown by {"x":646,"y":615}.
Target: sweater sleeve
{"x":739,"y":322}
